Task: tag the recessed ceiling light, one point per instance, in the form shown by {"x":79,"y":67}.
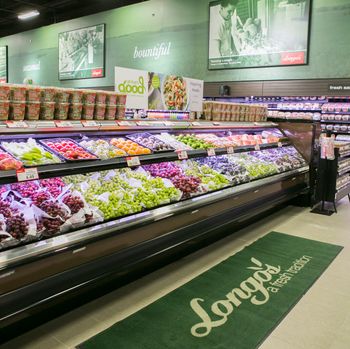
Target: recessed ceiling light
{"x":29,"y":14}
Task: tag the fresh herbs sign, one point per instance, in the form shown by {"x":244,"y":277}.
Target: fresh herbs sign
{"x":258,"y":33}
{"x":3,"y":64}
{"x":154,"y":91}
{"x":82,"y":53}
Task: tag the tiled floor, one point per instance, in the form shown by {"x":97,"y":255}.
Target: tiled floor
{"x":321,"y":319}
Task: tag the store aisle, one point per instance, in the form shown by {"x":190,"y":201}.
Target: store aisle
{"x":320,"y":320}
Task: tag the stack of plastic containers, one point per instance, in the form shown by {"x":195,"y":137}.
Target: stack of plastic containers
{"x":4,"y":102}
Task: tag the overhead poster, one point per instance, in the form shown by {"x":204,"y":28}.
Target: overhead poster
{"x":154,"y":91}
{"x":82,"y":53}
{"x":260,"y":33}
{"x":3,"y":64}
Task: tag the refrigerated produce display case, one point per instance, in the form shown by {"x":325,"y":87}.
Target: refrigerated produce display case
{"x":84,"y":203}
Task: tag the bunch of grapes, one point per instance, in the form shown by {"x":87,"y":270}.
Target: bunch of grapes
{"x":17,"y":226}
{"x":27,"y":190}
{"x":39,"y":197}
{"x":74,"y":203}
{"x":53,"y":185}
{"x":187,"y":184}
{"x":51,"y":226}
{"x":5,"y":208}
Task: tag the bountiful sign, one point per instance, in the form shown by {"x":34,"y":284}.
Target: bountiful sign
{"x":154,"y":91}
{"x":236,"y":304}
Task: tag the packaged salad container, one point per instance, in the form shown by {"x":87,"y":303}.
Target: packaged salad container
{"x":111,"y":112}
{"x":75,"y":111}
{"x":100,"y":111}
{"x":18,"y":93}
{"x":4,"y":92}
{"x":4,"y":110}
{"x":48,"y":94}
{"x":111,"y":98}
{"x":61,"y":112}
{"x":89,"y":96}
{"x":120,"y":113}
{"x":62,"y":95}
{"x":88,"y":111}
{"x":76,"y":96}
{"x":17,"y":110}
{"x":47,"y":111}
{"x":101,"y":98}
{"x":121,"y":99}
{"x":33,"y":93}
{"x":32,"y":111}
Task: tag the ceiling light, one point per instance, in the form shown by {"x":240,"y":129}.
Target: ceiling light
{"x":29,"y":14}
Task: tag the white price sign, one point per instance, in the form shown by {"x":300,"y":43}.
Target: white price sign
{"x":211,"y":152}
{"x":182,"y":154}
{"x":126,"y":123}
{"x":16,"y":124}
{"x":280,"y":145}
{"x":257,"y":147}
{"x":230,"y":150}
{"x":133,"y":161}
{"x":90,"y":123}
{"x":63,"y":124}
{"x":27,"y":174}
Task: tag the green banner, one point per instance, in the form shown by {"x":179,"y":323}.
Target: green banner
{"x":82,"y":53}
{"x":236,"y":304}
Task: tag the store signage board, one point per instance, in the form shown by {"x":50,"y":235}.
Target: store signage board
{"x":82,"y":53}
{"x":3,"y":64}
{"x":155,"y":91}
{"x":27,"y":174}
{"x":267,"y":34}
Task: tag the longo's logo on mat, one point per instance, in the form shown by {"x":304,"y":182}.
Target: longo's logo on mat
{"x":256,"y":288}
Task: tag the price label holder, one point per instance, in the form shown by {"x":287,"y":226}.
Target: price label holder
{"x":280,"y":145}
{"x":133,"y":161}
{"x":211,"y":152}
{"x":126,"y":123}
{"x":27,"y":174}
{"x":257,"y":147}
{"x":90,"y":123}
{"x":196,"y":124}
{"x":182,"y":154}
{"x":230,"y":150}
{"x":16,"y":124}
{"x":63,"y":124}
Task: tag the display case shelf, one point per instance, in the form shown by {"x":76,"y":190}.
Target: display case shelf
{"x":73,"y":168}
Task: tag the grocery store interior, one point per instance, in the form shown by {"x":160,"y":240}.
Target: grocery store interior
{"x":174,"y":174}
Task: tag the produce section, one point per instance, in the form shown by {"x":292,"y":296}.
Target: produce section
{"x":104,"y":205}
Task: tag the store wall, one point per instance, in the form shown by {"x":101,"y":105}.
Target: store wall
{"x":184,"y":24}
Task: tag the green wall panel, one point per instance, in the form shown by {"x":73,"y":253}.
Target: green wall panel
{"x":183,"y":23}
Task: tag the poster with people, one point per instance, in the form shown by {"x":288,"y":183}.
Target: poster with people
{"x":82,"y":53}
{"x":258,"y":33}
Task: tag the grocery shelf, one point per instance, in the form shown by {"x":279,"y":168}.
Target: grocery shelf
{"x":342,"y":192}
{"x":297,"y":110}
{"x":40,"y":127}
{"x":336,"y":112}
{"x":297,"y":121}
{"x":73,"y":168}
{"x":15,"y":257}
{"x":335,"y":122}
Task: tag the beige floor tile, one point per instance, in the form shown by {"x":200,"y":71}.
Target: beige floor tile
{"x":276,"y":343}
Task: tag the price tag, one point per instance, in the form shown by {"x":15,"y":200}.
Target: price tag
{"x":27,"y":174}
{"x":257,"y":147}
{"x":211,"y":152}
{"x":182,"y":154}
{"x":133,"y":161}
{"x":196,"y":124}
{"x":126,"y":123}
{"x":63,"y":124}
{"x":16,"y":124}
{"x":280,"y":145}
{"x":230,"y":150}
{"x":90,"y":123}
